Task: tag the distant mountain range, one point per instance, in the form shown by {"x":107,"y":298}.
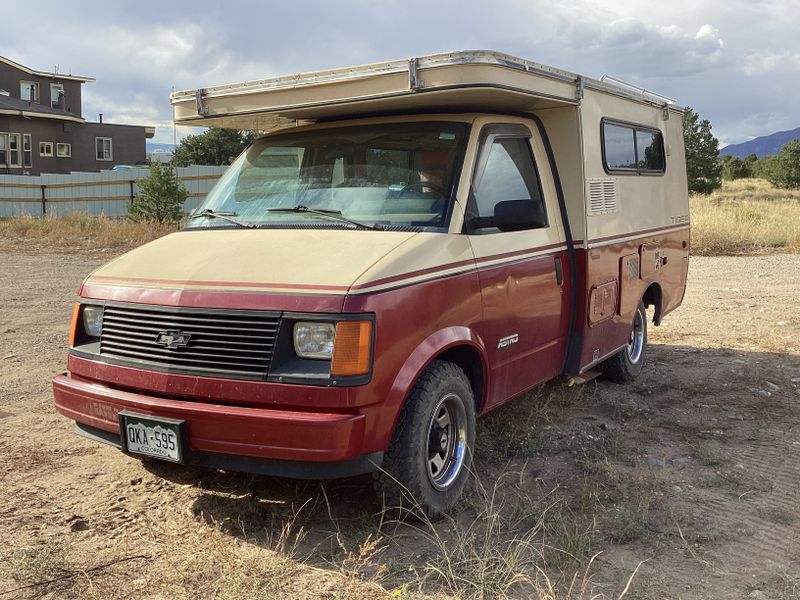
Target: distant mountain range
{"x":762,"y":146}
{"x":151,"y":146}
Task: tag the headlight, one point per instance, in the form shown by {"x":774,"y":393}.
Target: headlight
{"x":314,"y":339}
{"x":93,"y":320}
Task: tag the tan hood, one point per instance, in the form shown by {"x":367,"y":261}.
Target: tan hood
{"x":302,"y":260}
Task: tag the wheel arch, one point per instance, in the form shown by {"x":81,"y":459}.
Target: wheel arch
{"x":469,"y":359}
{"x":653,"y":297}
{"x":459,"y":345}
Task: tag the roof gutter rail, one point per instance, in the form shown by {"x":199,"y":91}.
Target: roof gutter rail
{"x":645,"y":92}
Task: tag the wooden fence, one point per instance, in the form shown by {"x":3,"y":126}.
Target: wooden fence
{"x":108,"y":193}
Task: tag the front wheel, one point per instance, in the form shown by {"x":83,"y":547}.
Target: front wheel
{"x":428,"y":460}
{"x":627,"y":364}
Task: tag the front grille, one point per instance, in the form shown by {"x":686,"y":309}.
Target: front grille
{"x":221,"y":343}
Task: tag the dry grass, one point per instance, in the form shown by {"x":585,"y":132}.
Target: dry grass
{"x":709,"y":454}
{"x":746,"y":216}
{"x":45,"y":559}
{"x":507,"y":552}
{"x":78,"y":232}
{"x":627,"y":498}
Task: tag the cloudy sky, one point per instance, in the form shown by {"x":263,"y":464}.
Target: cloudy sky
{"x":737,"y":62}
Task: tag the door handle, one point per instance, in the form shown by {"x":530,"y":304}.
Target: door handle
{"x":559,"y":271}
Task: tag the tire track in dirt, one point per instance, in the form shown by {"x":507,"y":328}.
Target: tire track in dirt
{"x":770,"y":480}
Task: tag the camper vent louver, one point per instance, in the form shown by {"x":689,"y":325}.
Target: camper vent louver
{"x":601,"y":196}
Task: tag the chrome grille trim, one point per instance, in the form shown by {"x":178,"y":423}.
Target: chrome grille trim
{"x":233,"y":344}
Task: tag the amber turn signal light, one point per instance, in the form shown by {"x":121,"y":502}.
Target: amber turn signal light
{"x":351,"y":348}
{"x":76,"y":311}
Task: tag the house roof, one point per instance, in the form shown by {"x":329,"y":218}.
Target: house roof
{"x":30,"y":71}
{"x":23,"y":108}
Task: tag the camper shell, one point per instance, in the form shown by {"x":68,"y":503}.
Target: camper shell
{"x":444,"y":315}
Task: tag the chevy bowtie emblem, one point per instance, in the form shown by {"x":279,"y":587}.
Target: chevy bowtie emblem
{"x":172,"y":338}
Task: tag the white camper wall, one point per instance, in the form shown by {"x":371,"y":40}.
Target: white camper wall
{"x":635,"y":202}
{"x":563,"y":129}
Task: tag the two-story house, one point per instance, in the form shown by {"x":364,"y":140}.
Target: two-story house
{"x":42,"y":129}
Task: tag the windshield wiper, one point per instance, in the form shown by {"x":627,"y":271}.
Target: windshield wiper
{"x":227,"y":216}
{"x":324,"y":212}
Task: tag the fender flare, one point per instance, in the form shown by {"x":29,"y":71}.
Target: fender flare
{"x":431,"y":347}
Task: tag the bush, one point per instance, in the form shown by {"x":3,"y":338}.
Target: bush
{"x":161,"y":196}
{"x":784,"y":171}
{"x":734,"y":167}
{"x":763,"y":168}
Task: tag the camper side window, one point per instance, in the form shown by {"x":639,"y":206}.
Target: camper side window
{"x":509,"y":174}
{"x":632,"y":149}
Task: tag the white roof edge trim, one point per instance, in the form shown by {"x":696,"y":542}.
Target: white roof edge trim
{"x":485,"y":57}
{"x":48,"y":74}
{"x":35,"y":115}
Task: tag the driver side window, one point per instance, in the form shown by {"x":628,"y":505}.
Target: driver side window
{"x":509,"y":174}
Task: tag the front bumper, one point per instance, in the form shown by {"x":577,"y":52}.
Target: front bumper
{"x":218,"y":429}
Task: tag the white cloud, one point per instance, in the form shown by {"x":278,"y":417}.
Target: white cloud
{"x":629,"y":46}
{"x":758,"y":63}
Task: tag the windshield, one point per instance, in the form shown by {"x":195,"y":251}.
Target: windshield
{"x":369,"y":175}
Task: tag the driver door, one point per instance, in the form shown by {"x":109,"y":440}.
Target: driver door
{"x":522,"y":273}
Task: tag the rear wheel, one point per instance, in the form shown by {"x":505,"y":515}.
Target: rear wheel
{"x":428,"y":460}
{"x":627,"y":364}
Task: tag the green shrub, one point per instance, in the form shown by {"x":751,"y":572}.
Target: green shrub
{"x":784,"y":171}
{"x":734,"y":167}
{"x":161,"y":196}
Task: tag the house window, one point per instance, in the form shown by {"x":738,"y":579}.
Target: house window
{"x":27,"y":150}
{"x":45,"y":148}
{"x":56,"y":94}
{"x":13,"y":150}
{"x":29,"y":90}
{"x":64,"y":150}
{"x":632,"y":149}
{"x":9,"y":150}
{"x":103,"y":148}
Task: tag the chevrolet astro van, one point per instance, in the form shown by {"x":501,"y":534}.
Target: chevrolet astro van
{"x":412,"y":245}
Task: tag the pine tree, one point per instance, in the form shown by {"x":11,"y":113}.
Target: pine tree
{"x":703,"y":167}
{"x":161,"y":196}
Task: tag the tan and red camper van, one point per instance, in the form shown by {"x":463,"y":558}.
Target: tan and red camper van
{"x":412,"y":244}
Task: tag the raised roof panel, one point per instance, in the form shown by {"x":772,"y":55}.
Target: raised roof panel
{"x":454,"y":81}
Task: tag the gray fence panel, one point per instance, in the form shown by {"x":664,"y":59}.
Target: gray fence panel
{"x":20,"y":195}
{"x":107,"y":193}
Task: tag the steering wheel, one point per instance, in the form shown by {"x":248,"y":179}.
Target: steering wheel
{"x":420,"y":187}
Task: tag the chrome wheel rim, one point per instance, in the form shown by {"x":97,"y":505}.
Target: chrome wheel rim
{"x":636,"y":340}
{"x":447,"y":442}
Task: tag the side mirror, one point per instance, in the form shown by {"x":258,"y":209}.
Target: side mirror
{"x":514,"y":215}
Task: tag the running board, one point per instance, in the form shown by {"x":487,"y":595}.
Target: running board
{"x":582,"y":378}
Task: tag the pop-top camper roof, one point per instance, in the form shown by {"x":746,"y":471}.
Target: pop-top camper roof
{"x":454,"y":81}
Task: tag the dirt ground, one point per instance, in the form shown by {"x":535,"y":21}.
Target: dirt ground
{"x":691,"y":474}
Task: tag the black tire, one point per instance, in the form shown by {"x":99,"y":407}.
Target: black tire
{"x":409,"y":478}
{"x":627,"y":364}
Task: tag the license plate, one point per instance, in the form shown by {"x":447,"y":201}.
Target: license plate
{"x":157,"y":437}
